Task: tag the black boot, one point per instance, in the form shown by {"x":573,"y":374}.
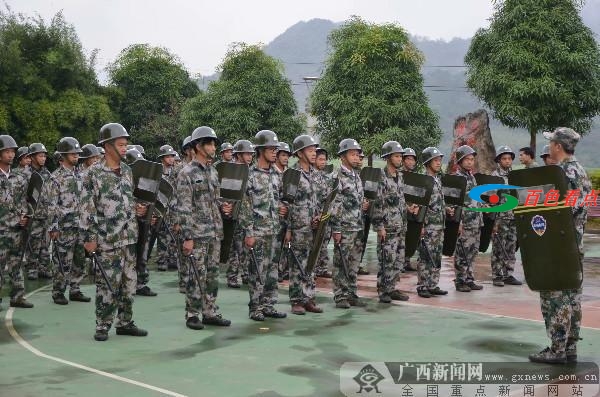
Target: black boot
{"x":60,"y":299}
{"x":131,"y":329}
{"x":194,"y":323}
{"x":79,"y":297}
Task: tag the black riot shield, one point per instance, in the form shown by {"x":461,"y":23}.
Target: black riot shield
{"x":488,"y":217}
{"x":454,"y":187}
{"x":370,"y":178}
{"x":417,"y":190}
{"x":319,"y":236}
{"x":163,"y":198}
{"x":328,"y":169}
{"x":546,"y":234}
{"x":289,"y":181}
{"x":233,"y":178}
{"x":34,"y":191}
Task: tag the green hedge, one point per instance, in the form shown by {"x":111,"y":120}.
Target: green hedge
{"x":595,"y":177}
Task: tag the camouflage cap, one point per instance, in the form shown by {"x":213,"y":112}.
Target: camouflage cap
{"x":567,"y":137}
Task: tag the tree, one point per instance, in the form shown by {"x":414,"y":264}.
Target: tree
{"x":372,"y":89}
{"x":251,"y":94}
{"x":537,"y":66}
{"x":48,"y":87}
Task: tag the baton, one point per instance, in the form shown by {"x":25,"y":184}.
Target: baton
{"x":99,"y":267}
{"x":344,"y":264}
{"x":256,"y":268}
{"x":194,"y":269}
{"x":53,"y":253}
{"x":298,"y":264}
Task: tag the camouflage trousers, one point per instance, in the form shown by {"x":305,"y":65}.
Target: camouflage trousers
{"x":467,"y":247}
{"x":11,"y":271}
{"x":202,"y":287}
{"x":141,"y":260}
{"x":262,"y":296}
{"x":38,"y":258}
{"x":504,"y":245}
{"x":346,"y":252}
{"x":562,"y":315}
{"x":323,"y":263}
{"x":166,"y":249}
{"x":280,"y":258}
{"x":72,"y":271}
{"x":390,"y":254}
{"x":301,"y":290}
{"x":119,"y":265}
{"x":237,"y":259}
{"x":429,"y":263}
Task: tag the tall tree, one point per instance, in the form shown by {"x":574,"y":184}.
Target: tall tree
{"x":372,"y":89}
{"x":537,"y":66}
{"x":48,"y":86}
{"x":251,"y":94}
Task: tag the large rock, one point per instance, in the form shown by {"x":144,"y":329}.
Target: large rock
{"x":473,"y":129}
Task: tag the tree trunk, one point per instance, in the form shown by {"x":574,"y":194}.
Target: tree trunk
{"x":473,"y":129}
{"x":532,"y":137}
{"x":370,"y":160}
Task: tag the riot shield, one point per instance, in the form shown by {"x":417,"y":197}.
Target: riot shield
{"x":328,"y":169}
{"x":489,"y":218}
{"x":417,"y":190}
{"x":34,"y":191}
{"x":370,"y":178}
{"x":547,"y":238}
{"x":163,"y":198}
{"x":233,"y":178}
{"x":454,"y":187}
{"x":317,"y":243}
{"x":290,"y":181}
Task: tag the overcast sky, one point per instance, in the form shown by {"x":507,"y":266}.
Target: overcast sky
{"x":199,"y":31}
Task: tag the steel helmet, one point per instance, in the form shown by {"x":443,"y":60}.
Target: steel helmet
{"x":243,"y":146}
{"x":303,"y":141}
{"x":266,"y":138}
{"x":390,"y":148}
{"x":68,"y":145}
{"x":204,"y":133}
{"x":429,"y":153}
{"x":111,"y":131}
{"x":8,"y":142}
{"x":409,"y":152}
{"x":132,"y":156}
{"x":166,"y":150}
{"x":503,"y":150}
{"x":226,"y":146}
{"x":88,"y":151}
{"x":463,"y":151}
{"x":35,"y":148}
{"x":348,"y":144}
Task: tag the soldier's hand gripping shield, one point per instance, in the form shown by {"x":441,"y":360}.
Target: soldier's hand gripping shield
{"x":370,"y":178}
{"x":417,"y":190}
{"x":546,"y":234}
{"x":454,"y":188}
{"x":233,"y":179}
{"x":34,"y":191}
{"x":319,"y":236}
{"x":489,"y":218}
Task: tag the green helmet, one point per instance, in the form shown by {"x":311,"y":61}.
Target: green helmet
{"x":429,"y":153}
{"x":101,"y":150}
{"x":7,"y":142}
{"x":22,"y":151}
{"x":391,"y":147}
{"x":348,"y":144}
{"x":409,"y":152}
{"x":132,"y":156}
{"x":503,"y":150}
{"x":463,"y":152}
{"x":303,"y":141}
{"x":35,"y":148}
{"x":166,"y":150}
{"x":226,"y":146}
{"x":68,"y":145}
{"x":546,"y":151}
{"x":266,"y":138}
{"x":243,"y":146}
{"x":88,"y":151}
{"x":186,"y":142}
{"x":111,"y":131}
{"x":204,"y":133}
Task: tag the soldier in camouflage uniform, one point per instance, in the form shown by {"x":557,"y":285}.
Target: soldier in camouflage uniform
{"x":166,"y":247}
{"x":467,"y":244}
{"x":562,"y":309}
{"x":322,"y":267}
{"x":109,"y":226}
{"x":504,"y":234}
{"x":281,"y":164}
{"x":527,"y":157}
{"x":89,"y":156}
{"x":13,"y":208}
{"x":39,"y":258}
{"x":260,"y":220}
{"x":243,"y":153}
{"x":409,"y":164}
{"x":63,"y":192}
{"x":23,"y":158}
{"x":199,"y":217}
{"x":429,"y":263}
{"x":226,"y":153}
{"x":304,"y":215}
{"x":389,"y":220}
{"x":347,"y":226}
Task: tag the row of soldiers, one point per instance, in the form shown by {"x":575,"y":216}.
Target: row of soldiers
{"x":91,"y":205}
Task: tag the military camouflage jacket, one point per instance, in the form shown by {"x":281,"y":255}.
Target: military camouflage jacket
{"x":13,"y":201}
{"x":43,"y":210}
{"x":578,"y":180}
{"x":346,"y":211}
{"x":259,"y":214}
{"x":436,"y":210}
{"x":470,"y":219}
{"x":507,"y":215}
{"x":64,"y":193}
{"x":389,"y":211}
{"x":307,"y":204}
{"x":108,"y":207}
{"x":198,"y":207}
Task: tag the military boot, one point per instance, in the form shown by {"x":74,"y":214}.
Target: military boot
{"x":362,"y":271}
{"x":571,"y":351}
{"x":298,"y":309}
{"x":437,"y":291}
{"x":60,"y":299}
{"x":498,"y":281}
{"x":101,"y":335}
{"x":312,"y":307}
{"x":217,"y":320}
{"x":79,"y":297}
{"x":131,"y":329}
{"x":22,"y":303}
{"x":145,"y":291}
{"x":510,"y":280}
{"x":356,"y":301}
{"x":548,"y":356}
{"x":385,"y":298}
{"x":398,"y":296}
{"x":272,"y":313}
{"x":423,"y":292}
{"x":257,"y":315}
{"x":462,"y":287}
{"x":342,"y":304}
{"x":194,"y":323}
{"x":474,"y":287}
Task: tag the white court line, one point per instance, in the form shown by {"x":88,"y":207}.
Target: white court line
{"x":8,"y":321}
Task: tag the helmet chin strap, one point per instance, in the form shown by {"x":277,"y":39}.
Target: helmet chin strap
{"x":114,"y":147}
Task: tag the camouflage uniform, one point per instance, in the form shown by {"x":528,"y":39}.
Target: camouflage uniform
{"x":259,"y":218}
{"x":504,"y":242}
{"x":322,"y":266}
{"x":166,"y":247}
{"x":429,"y":263}
{"x":305,"y":208}
{"x":389,"y":213}
{"x":406,"y":261}
{"x":237,"y":260}
{"x":562,"y":309}
{"x":13,"y":204}
{"x":199,"y":215}
{"x":64,"y":192}
{"x":280,"y":258}
{"x":108,"y":217}
{"x":467,"y":245}
{"x":38,"y":260}
{"x":347,"y":219}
